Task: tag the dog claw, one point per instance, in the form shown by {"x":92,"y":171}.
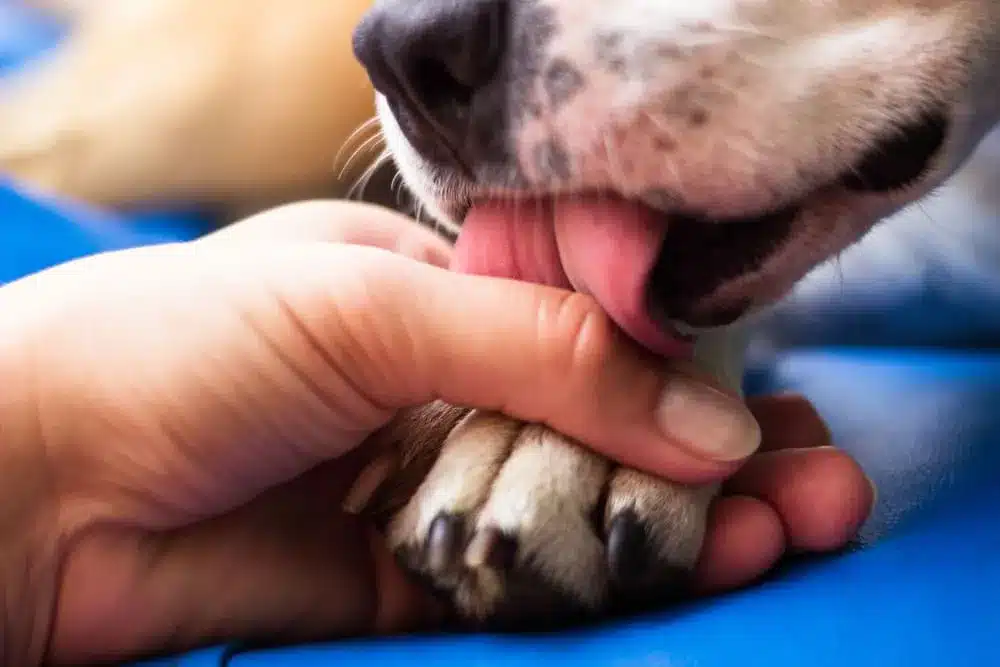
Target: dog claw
{"x":493,"y":549}
{"x":640,"y":578}
{"x":444,"y":543}
{"x":628,"y":548}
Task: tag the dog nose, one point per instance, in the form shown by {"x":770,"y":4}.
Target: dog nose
{"x":431,"y":60}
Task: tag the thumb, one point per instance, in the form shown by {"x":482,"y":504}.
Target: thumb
{"x":405,"y":333}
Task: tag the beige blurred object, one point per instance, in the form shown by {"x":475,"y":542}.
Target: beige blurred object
{"x":233,"y":103}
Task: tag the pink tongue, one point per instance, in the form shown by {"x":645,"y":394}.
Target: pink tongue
{"x":604,"y":248}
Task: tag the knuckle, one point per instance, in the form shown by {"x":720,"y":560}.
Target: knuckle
{"x":579,"y":334}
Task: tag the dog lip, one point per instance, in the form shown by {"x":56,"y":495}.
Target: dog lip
{"x":578,"y":251}
{"x":679,"y":331}
{"x":600,"y":246}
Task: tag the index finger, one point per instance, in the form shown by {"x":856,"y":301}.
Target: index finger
{"x":330,"y":221}
{"x":788,"y":421}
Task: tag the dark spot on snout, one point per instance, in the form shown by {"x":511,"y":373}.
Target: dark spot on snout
{"x":609,"y":50}
{"x":699,"y":255}
{"x":551,"y":160}
{"x":901,"y":158}
{"x":534,"y":26}
{"x":562,"y":81}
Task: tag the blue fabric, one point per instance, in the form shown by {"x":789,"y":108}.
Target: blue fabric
{"x":211,"y":657}
{"x":36,"y":233}
{"x":24,"y":34}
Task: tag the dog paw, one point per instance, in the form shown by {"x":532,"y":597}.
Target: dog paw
{"x":517,"y":525}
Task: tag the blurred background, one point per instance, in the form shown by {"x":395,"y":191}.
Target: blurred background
{"x":165,"y":122}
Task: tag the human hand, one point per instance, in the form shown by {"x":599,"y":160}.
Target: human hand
{"x":191,"y":412}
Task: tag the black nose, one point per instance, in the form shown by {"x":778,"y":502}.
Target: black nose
{"x":434,"y":60}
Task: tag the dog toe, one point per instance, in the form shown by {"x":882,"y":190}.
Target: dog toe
{"x":628,"y":549}
{"x":504,"y":527}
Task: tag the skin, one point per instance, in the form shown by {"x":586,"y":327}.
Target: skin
{"x":176,"y":446}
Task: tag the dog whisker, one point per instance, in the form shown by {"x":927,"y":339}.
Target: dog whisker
{"x":370,"y":125}
{"x":615,"y":172}
{"x":357,"y":190}
{"x":367,"y":146}
{"x":365,"y":126}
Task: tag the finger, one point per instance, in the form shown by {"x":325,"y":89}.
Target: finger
{"x":789,"y":421}
{"x":807,"y":500}
{"x":745,"y":538}
{"x":285,"y":568}
{"x":822,"y":495}
{"x":536,"y":353}
{"x":301,"y":350}
{"x":721,"y":425}
{"x":340,"y":222}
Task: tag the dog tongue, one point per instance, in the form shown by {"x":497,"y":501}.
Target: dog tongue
{"x":605,"y":248}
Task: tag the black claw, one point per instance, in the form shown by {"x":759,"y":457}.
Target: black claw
{"x":641,"y":580}
{"x":628,"y":548}
{"x":445,"y":539}
{"x":493,"y":549}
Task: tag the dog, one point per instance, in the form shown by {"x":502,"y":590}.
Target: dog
{"x":764,"y":137}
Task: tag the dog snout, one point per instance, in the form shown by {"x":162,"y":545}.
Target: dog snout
{"x":434,"y":61}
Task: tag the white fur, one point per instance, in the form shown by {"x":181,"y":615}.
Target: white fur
{"x":797,"y":92}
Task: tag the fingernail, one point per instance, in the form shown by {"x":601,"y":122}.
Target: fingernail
{"x":706,"y":421}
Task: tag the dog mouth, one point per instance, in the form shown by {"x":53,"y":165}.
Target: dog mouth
{"x":603,"y":246}
{"x":651,"y":270}
{"x":640,"y":264}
